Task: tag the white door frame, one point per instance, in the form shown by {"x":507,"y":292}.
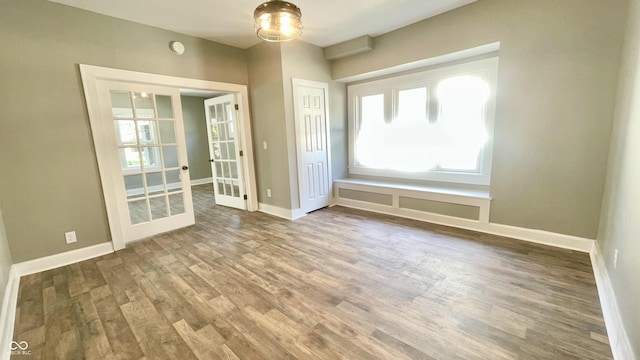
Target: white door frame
{"x":296,"y":106}
{"x":90,"y":77}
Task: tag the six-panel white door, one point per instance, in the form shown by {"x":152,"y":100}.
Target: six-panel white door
{"x":310,"y":104}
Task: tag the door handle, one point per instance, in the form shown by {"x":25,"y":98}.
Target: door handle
{"x":185,"y":167}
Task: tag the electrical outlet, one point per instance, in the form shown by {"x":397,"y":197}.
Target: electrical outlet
{"x":268,"y":192}
{"x":70,"y":237}
{"x":264,"y":145}
{"x":615,"y":258}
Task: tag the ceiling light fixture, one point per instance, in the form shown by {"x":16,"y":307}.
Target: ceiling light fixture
{"x":278,"y":20}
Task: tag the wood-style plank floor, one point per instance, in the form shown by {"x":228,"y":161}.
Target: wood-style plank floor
{"x":336,"y":284}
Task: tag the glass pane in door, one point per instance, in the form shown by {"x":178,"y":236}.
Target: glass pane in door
{"x":146,"y":138}
{"x":158,"y":207}
{"x":165,"y":107}
{"x":147,"y":132}
{"x":224,"y":149}
{"x":138,"y":211}
{"x":126,"y":132}
{"x":144,"y":105}
{"x":176,"y":204}
{"x":121,"y":106}
{"x":130,"y":159}
{"x":173,"y":180}
{"x":154,"y":183}
{"x":170,"y":156}
{"x":133,"y":185}
{"x":167,"y":131}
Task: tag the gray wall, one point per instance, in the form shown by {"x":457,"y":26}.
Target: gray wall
{"x":50,"y":181}
{"x":266,"y":96}
{"x":195,"y":131}
{"x":619,"y":226}
{"x":556,"y":94}
{"x":271,"y":68}
{"x":5,"y":259}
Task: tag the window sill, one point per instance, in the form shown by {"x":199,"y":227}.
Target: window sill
{"x":434,"y":176}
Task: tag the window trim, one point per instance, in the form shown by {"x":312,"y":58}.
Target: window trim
{"x":486,"y":68}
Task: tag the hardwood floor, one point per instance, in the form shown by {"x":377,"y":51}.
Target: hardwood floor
{"x":338,"y":283}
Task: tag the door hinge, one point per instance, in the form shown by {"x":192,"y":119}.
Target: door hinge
{"x":241,"y":153}
{"x":245,"y":197}
{"x":237,"y":108}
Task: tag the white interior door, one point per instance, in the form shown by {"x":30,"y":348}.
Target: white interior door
{"x":225,"y":151}
{"x":310,"y":105}
{"x":147,"y":157}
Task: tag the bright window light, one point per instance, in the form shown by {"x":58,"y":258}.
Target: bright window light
{"x":422,"y":128}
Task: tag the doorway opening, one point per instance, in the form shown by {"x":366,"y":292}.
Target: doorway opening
{"x":214,"y":148}
{"x":146,"y":110}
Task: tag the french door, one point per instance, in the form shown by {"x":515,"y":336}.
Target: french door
{"x":146,"y":157}
{"x":225,"y":151}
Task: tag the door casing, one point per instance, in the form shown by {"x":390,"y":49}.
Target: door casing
{"x":90,"y":77}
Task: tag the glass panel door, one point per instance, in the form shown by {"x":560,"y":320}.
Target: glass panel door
{"x":151,"y":158}
{"x":224,"y":151}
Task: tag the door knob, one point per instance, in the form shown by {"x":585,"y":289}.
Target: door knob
{"x":185,"y":167}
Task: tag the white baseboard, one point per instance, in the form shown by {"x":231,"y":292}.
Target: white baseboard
{"x":297,"y":214}
{"x":8,"y":314}
{"x":531,"y":235}
{"x":538,"y":236}
{"x":281,"y":212}
{"x":202,"y":181}
{"x":62,"y":259}
{"x":618,"y":339}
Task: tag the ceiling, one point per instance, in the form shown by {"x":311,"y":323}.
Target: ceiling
{"x":326,"y":22}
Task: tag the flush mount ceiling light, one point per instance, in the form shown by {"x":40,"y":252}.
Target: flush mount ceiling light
{"x":278,"y":20}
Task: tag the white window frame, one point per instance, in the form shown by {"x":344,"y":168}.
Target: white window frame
{"x":487,"y":69}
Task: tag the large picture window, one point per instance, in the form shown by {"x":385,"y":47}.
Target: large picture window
{"x":434,"y":125}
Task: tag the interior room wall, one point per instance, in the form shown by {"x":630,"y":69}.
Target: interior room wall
{"x":5,"y":259}
{"x":619,"y":226}
{"x":266,"y":96}
{"x":51,"y":184}
{"x":556,"y":92}
{"x":195,"y":132}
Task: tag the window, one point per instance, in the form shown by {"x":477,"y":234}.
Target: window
{"x":434,"y":125}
